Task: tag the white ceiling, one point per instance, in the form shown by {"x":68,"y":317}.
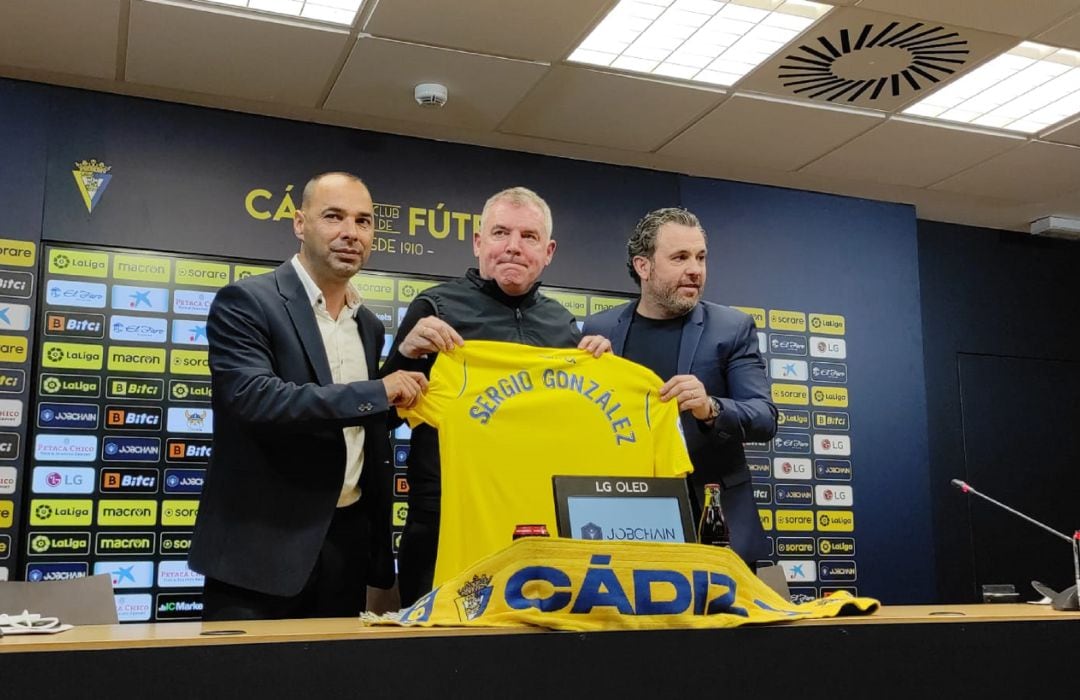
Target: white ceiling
{"x":503,"y":62}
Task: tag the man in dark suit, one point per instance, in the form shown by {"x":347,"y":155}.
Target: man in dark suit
{"x":709,"y":356}
{"x":294,"y":519}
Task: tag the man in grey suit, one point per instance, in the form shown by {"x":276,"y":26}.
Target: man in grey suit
{"x":707,"y":353}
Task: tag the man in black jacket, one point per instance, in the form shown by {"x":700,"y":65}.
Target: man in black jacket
{"x":498,"y":300}
{"x":294,"y":519}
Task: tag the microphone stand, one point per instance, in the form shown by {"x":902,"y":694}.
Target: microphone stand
{"x":1066,"y":599}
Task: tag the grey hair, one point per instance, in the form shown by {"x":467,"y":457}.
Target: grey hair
{"x":518,"y":196}
{"x":309,"y":188}
{"x":643,"y":242}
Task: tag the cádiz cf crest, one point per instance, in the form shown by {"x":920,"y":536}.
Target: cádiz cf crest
{"x":92,"y":178}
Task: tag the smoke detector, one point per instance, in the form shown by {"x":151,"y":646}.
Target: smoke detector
{"x":430,"y":94}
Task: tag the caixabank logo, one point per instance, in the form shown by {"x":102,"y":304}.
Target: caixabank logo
{"x":127,"y":574}
{"x":56,"y":571}
{"x":86,"y":295}
{"x":179,"y":606}
{"x":68,"y":416}
{"x":70,"y":385}
{"x":188,"y":481}
{"x":130,"y":388}
{"x":151,"y":300}
{"x":132,"y":417}
{"x":130,"y":449}
{"x":74,"y":325}
{"x":188,"y":451}
{"x":185,"y":332}
{"x":14,"y":317}
{"x":788,"y":370}
{"x":189,"y":390}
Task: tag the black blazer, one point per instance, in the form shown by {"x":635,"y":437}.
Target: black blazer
{"x":719,"y":346}
{"x":278,"y":453}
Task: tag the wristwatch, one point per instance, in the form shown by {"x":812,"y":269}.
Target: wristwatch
{"x":715,"y":409}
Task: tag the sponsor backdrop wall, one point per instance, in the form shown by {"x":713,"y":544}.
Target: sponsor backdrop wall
{"x":831,"y":281}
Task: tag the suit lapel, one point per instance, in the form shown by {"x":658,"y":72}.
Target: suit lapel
{"x":691,"y":334}
{"x":299,"y":309}
{"x":622,"y":329}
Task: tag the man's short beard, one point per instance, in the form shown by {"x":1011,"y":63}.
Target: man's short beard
{"x":674,"y":303}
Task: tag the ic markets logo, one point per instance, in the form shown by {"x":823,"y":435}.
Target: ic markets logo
{"x":139,"y":329}
{"x":792,"y":443}
{"x":179,"y":606}
{"x":132,"y":418}
{"x":190,"y":420}
{"x":73,"y":324}
{"x":127,"y":574}
{"x":59,"y":571}
{"x":148,"y":299}
{"x":184,"y":480}
{"x":192,"y":302}
{"x":781,"y":344}
{"x":63,"y":480}
{"x":188,"y":451}
{"x":89,"y":295}
{"x":68,"y":416}
{"x":69,"y":448}
{"x":131,"y":449}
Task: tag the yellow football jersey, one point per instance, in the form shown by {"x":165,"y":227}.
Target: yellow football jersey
{"x":512,"y":416}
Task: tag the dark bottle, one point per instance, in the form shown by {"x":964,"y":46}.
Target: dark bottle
{"x":713,"y":530}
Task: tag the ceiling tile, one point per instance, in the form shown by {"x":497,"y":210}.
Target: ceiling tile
{"x":1034,"y":172}
{"x":1065,"y":34}
{"x":856,"y":58}
{"x":77,"y":37}
{"x":224,"y":53}
{"x":1070,"y":133}
{"x":1015,"y":17}
{"x":903,"y":152}
{"x":769,"y":133}
{"x":586,"y":106}
{"x":541,"y":31}
{"x":380,"y":75}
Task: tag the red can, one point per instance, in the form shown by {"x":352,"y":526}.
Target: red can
{"x":531,"y":531}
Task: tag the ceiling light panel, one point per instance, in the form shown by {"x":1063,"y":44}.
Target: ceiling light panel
{"x":1027,"y":89}
{"x":709,"y":41}
{"x":341,"y":12}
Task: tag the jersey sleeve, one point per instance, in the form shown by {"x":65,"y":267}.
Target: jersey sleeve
{"x":449,"y":376}
{"x":670,"y":455}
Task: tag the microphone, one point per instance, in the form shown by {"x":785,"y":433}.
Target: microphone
{"x":1066,"y":599}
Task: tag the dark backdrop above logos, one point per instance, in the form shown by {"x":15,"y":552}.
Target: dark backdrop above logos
{"x":200,"y":181}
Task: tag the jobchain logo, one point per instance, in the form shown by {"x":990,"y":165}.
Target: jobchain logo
{"x":127,"y":512}
{"x":14,"y":317}
{"x":837,"y":571}
{"x":74,"y":385}
{"x":190,"y":420}
{"x":792,"y":443}
{"x":790,"y":370}
{"x":12,"y":349}
{"x":782,"y":344}
{"x":184,"y":480}
{"x":191,"y":302}
{"x":132,"y":388}
{"x":176,"y":574}
{"x":19,"y":285}
{"x":74,"y":324}
{"x":68,"y":416}
{"x":791,"y":468}
{"x":63,"y":480}
{"x":839,"y":445}
{"x":57,"y":543}
{"x":759,"y":467}
{"x":187,"y":451}
{"x":138,"y":329}
{"x":52,"y":512}
{"x":153,"y":300}
{"x":128,"y":544}
{"x":834,"y":496}
{"x":132,"y":417}
{"x":178,"y":513}
{"x":88,"y":295}
{"x":127,"y":574}
{"x":131,"y":449}
{"x":70,"y":448}
{"x":189,"y":390}
{"x":71,"y":355}
{"x":78,"y":263}
{"x":186,"y":332}
{"x":128,"y":480}
{"x":794,"y":495}
{"x":828,"y":372}
{"x":829,"y":348}
{"x":137,"y":607}
{"x":832,"y":469}
{"x":56,"y":571}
